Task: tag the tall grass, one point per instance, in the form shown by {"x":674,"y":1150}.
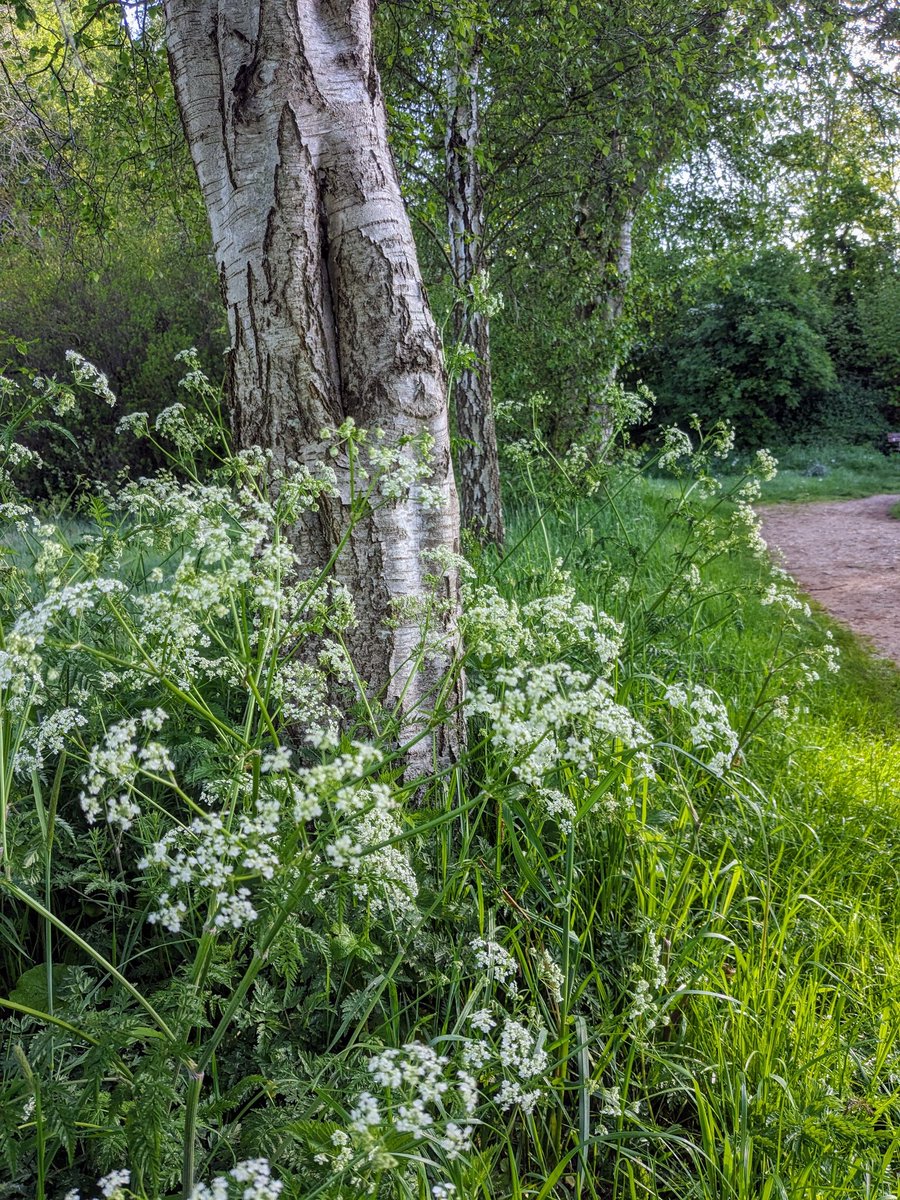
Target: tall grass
{"x":640,"y":942}
{"x":779,"y":893}
{"x":832,"y":471}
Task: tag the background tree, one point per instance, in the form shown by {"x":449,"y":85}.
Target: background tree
{"x":818,"y":180}
{"x":753,"y":352}
{"x":104,"y":247}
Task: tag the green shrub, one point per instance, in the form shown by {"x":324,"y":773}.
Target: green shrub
{"x":752,"y":351}
{"x":152,"y":293}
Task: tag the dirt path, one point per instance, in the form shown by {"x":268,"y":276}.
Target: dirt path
{"x":846,"y":555}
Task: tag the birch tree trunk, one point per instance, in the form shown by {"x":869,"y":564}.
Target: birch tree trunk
{"x":604,"y":226}
{"x":617,"y":274}
{"x":479,"y":469}
{"x":620,"y":277}
{"x":283,"y":111}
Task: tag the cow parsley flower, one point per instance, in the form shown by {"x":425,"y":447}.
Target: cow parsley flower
{"x":766,"y":465}
{"x":48,"y":738}
{"x":500,"y":965}
{"x":676,"y":446}
{"x":90,"y":376}
{"x":114,"y":765}
{"x":551,"y":716}
{"x":482,"y":1021}
{"x":249,"y":1180}
{"x":710,"y":727}
{"x":211,"y":857}
{"x":490,"y":625}
{"x":424,"y":1097}
{"x":558,"y":623}
{"x":21,"y":658}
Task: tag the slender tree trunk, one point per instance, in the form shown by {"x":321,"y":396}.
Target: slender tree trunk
{"x":617,"y":275}
{"x":620,"y":277}
{"x":479,"y":470}
{"x":284,"y":115}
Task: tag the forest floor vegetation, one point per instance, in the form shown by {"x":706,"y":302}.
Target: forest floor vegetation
{"x":640,"y":942}
{"x":831,"y":471}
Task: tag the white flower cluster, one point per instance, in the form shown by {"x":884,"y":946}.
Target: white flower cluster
{"x":114,"y":765}
{"x":549,"y":717}
{"x":231,"y":548}
{"x":831,"y":654}
{"x":365,"y":813}
{"x":188,"y":429}
{"x":721,"y":439}
{"x":746,"y":525}
{"x":543,"y":628}
{"x":523,"y":1056}
{"x":614,"y":1104}
{"x":628,"y":408}
{"x":766,"y":465}
{"x":399,"y":472}
{"x":490,"y":624}
{"x":11,"y":511}
{"x":802,"y":669}
{"x":47,"y":738}
{"x":90,"y":376}
{"x":448,"y":562}
{"x":135,"y":423}
{"x":49,"y":550}
{"x":421,"y":1099}
{"x":786,"y":598}
{"x":57,"y":394}
{"x":396,"y":469}
{"x":213,"y":856}
{"x":495,"y":961}
{"x":711,"y":727}
{"x":676,"y":446}
{"x":652,"y":978}
{"x":112,"y":1187}
{"x":249,"y":1180}
{"x":558,"y":622}
{"x":194,"y":379}
{"x":18,"y":455}
{"x":550,"y":974}
{"x":20,"y":658}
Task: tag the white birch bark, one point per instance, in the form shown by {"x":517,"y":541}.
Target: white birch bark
{"x":284,"y":115}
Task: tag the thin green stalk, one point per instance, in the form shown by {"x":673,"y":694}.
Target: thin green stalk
{"x":40,"y":1138}
{"x":47,"y":820}
{"x":197,"y":1070}
{"x":70,"y":933}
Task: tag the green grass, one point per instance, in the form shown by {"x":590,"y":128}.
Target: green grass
{"x":778,"y":898}
{"x":761,"y":909}
{"x":850,"y":472}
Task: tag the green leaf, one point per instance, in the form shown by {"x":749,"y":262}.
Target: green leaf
{"x":31,"y":987}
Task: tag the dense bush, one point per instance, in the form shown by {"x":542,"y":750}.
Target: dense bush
{"x":786,"y":355}
{"x":752,"y":351}
{"x":151,"y":293}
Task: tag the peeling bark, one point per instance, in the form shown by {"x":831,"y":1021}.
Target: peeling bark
{"x":283,"y":112}
{"x":479,"y":469}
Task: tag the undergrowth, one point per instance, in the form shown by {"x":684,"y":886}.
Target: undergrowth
{"x":832,"y":471}
{"x":640,"y":941}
